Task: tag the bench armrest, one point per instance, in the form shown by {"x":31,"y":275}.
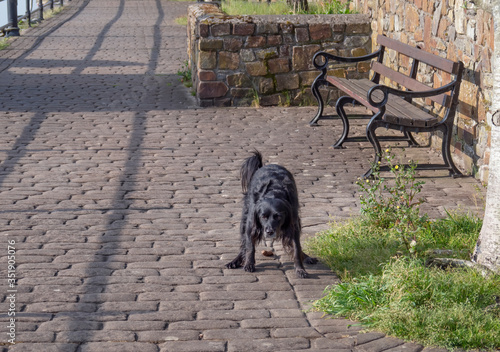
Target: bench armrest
{"x":405,"y":93}
{"x":327,"y":57}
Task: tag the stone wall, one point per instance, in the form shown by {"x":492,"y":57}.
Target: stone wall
{"x":238,"y":60}
{"x":459,"y":30}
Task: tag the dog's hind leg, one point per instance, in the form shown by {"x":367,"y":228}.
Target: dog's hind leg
{"x":309,"y":260}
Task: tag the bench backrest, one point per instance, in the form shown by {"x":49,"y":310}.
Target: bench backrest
{"x":410,"y":81}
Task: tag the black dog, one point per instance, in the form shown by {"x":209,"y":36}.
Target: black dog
{"x":270,"y":211}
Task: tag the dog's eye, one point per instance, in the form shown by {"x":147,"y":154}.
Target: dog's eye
{"x":277,"y":216}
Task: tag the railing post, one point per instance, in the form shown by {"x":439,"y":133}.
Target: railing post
{"x":52,"y":4}
{"x":12,"y":30}
{"x":40,"y":5}
{"x":28,"y":12}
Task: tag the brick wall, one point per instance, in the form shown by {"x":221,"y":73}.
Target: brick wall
{"x":458,"y":30}
{"x":237,"y":59}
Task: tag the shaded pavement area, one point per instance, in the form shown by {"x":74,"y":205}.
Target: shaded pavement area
{"x":121,"y":199}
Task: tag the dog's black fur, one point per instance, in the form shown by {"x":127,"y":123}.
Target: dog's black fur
{"x":270,"y":210}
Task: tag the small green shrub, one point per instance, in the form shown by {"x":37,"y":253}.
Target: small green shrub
{"x":185,"y":74}
{"x":393,"y":203}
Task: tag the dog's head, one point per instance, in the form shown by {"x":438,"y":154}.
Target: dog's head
{"x":273,"y":215}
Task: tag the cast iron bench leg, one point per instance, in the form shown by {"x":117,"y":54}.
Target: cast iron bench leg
{"x":372,"y":137}
{"x":319,"y":81}
{"x":445,"y":148}
{"x":339,"y":106}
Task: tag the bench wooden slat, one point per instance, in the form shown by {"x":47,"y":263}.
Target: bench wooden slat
{"x":421,"y":55}
{"x":410,"y":83}
{"x":398,"y":110}
{"x":356,"y":88}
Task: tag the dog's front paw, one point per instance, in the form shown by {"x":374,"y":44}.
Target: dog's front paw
{"x":301,"y":273}
{"x":310,"y":260}
{"x":233,"y":265}
{"x":250,"y":268}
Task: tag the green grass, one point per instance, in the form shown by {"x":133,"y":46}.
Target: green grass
{"x":235,"y":7}
{"x":239,"y":7}
{"x":4,"y":43}
{"x":181,"y":21}
{"x":393,"y":292}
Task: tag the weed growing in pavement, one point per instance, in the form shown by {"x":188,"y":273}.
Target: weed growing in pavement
{"x":4,"y":43}
{"x":393,"y":203}
{"x":256,"y":99}
{"x":185,"y":74}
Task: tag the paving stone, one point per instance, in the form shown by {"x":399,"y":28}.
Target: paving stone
{"x":98,"y":336}
{"x":193,"y":346}
{"x":23,"y":336}
{"x":268,"y":344}
{"x":136,"y":325}
{"x":378,"y":345}
{"x":237,"y":315}
{"x":52,"y":347}
{"x":62,"y":325}
{"x":407,"y":347}
{"x":235,"y":334}
{"x":273,"y":323}
{"x":160,"y":336}
{"x":119,"y":347}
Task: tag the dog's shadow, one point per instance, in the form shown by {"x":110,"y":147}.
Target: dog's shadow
{"x":314,"y":271}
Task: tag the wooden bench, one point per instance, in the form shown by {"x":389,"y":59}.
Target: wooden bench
{"x":394,"y":108}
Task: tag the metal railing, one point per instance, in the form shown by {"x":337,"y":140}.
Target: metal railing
{"x":11,"y":28}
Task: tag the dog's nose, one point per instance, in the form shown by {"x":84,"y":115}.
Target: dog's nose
{"x":270,"y":233}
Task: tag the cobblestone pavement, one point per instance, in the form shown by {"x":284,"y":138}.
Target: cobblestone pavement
{"x":123,"y":198}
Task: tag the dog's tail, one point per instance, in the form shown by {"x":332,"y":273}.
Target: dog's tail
{"x":250,"y":165}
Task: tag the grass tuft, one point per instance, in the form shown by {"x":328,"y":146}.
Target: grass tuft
{"x":240,"y":7}
{"x":181,"y":21}
{"x":4,"y":43}
{"x":402,"y":297}
{"x":446,"y":308}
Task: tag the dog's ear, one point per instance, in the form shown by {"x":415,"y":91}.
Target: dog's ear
{"x":290,"y":228}
{"x":290,"y":218}
{"x":254,"y":224}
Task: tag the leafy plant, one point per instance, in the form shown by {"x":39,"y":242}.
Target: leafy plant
{"x":395,"y":204}
{"x":185,"y":73}
{"x":256,"y":99}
